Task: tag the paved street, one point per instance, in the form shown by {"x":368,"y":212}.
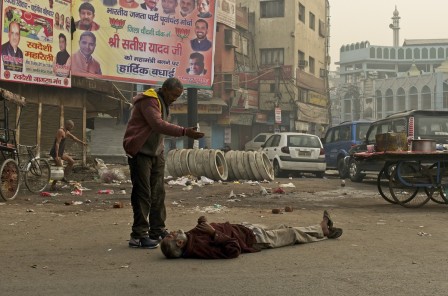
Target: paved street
{"x":49,"y":248}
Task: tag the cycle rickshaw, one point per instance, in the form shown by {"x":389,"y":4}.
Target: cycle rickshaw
{"x":15,"y":159}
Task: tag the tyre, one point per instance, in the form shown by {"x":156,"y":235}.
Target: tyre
{"x":342,"y":169}
{"x":37,"y":175}
{"x":382,"y":183}
{"x":9,"y":179}
{"x":354,"y":172}
{"x":277,"y":170}
{"x":406,"y":196}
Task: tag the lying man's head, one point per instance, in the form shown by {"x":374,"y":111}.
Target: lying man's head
{"x":172,"y":245}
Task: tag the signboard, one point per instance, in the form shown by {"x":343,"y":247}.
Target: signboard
{"x":36,"y":42}
{"x":145,"y":41}
{"x":278,"y":115}
{"x":245,"y":99}
{"x":226,"y":12}
{"x":202,"y":109}
{"x":228,"y":135}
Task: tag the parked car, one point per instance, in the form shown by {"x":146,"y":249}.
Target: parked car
{"x":339,"y":140}
{"x":256,"y":142}
{"x":417,"y":124}
{"x":297,"y":152}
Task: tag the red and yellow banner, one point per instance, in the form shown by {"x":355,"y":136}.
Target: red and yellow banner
{"x":146,"y":41}
{"x":36,"y":42}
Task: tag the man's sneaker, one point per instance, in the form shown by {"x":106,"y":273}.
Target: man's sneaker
{"x":144,"y":243}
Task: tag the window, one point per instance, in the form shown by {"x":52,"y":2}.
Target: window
{"x":301,"y":56}
{"x":301,"y":13}
{"x":311,"y":65}
{"x":322,"y":29}
{"x":271,"y":56}
{"x":312,"y":21}
{"x":272,"y":8}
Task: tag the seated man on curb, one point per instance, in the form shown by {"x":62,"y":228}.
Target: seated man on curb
{"x":227,"y":241}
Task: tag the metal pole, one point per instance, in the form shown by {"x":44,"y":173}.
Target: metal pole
{"x":192,"y":111}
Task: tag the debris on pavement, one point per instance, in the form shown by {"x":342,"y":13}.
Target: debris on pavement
{"x":105,"y":191}
{"x":118,"y":205}
{"x":279,"y":191}
{"x":421,"y":233}
{"x":263,"y":191}
{"x":48,"y":194}
{"x":288,"y":209}
{"x":232,"y":195}
{"x":108,"y":175}
{"x":29,"y":210}
{"x":288,"y":185}
{"x":276,"y":211}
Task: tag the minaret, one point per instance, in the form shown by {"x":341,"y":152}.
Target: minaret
{"x":395,"y":26}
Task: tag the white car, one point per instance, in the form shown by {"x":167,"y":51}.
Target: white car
{"x":256,"y":142}
{"x":295,"y":152}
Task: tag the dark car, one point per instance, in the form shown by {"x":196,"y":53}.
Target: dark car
{"x":417,"y":124}
{"x":340,"y":139}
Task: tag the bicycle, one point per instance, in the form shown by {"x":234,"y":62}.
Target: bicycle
{"x":37,"y":170}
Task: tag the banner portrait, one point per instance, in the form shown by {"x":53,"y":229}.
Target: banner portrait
{"x":145,"y":41}
{"x":36,"y":42}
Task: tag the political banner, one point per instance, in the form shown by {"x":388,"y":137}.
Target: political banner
{"x":36,"y":42}
{"x":146,"y":41}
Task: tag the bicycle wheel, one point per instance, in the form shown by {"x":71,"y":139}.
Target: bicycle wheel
{"x":382,"y":183}
{"x":10,"y":179}
{"x":406,"y":196}
{"x":37,"y":175}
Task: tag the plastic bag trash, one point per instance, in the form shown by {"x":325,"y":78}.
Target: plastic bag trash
{"x":106,"y":191}
{"x":187,"y":188}
{"x":232,"y":195}
{"x":287,"y":185}
{"x":206,"y":181}
{"x":75,"y":203}
{"x":263,"y":191}
{"x":76,"y":192}
{"x":279,"y":191}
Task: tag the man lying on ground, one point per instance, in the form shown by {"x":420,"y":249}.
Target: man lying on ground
{"x":227,"y":241}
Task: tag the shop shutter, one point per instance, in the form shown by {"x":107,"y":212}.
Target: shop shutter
{"x":71,"y":147}
{"x":28,"y":125}
{"x":50,"y":125}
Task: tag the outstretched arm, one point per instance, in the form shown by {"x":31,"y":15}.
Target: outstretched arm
{"x":74,"y":138}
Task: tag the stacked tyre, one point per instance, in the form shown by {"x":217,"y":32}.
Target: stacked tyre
{"x":210,"y":163}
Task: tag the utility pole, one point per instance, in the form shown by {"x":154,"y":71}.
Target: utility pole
{"x":277,"y":100}
{"x":192,"y":111}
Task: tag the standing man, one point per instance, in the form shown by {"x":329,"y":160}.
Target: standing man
{"x":186,"y":7}
{"x":82,"y":60}
{"x":196,"y":64}
{"x":12,"y":55}
{"x":201,"y":43}
{"x":58,"y":149}
{"x":204,"y":9}
{"x":143,"y":143}
{"x":62,"y":62}
{"x":86,"y":16}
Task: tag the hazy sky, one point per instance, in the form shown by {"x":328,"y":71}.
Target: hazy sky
{"x":360,"y":20}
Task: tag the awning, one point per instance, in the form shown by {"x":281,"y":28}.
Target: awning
{"x":12,"y":97}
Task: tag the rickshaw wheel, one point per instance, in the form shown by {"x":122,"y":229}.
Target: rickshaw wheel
{"x":10,"y":179}
{"x":383,"y":183}
{"x":406,"y":196}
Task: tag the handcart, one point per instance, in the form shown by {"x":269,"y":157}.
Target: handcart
{"x":411,"y":178}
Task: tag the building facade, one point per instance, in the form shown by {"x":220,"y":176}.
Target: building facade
{"x":376,"y":81}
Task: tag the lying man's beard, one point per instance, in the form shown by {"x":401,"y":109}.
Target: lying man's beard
{"x":181,"y":235}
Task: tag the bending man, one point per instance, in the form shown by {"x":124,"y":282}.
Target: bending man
{"x":58,"y":149}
